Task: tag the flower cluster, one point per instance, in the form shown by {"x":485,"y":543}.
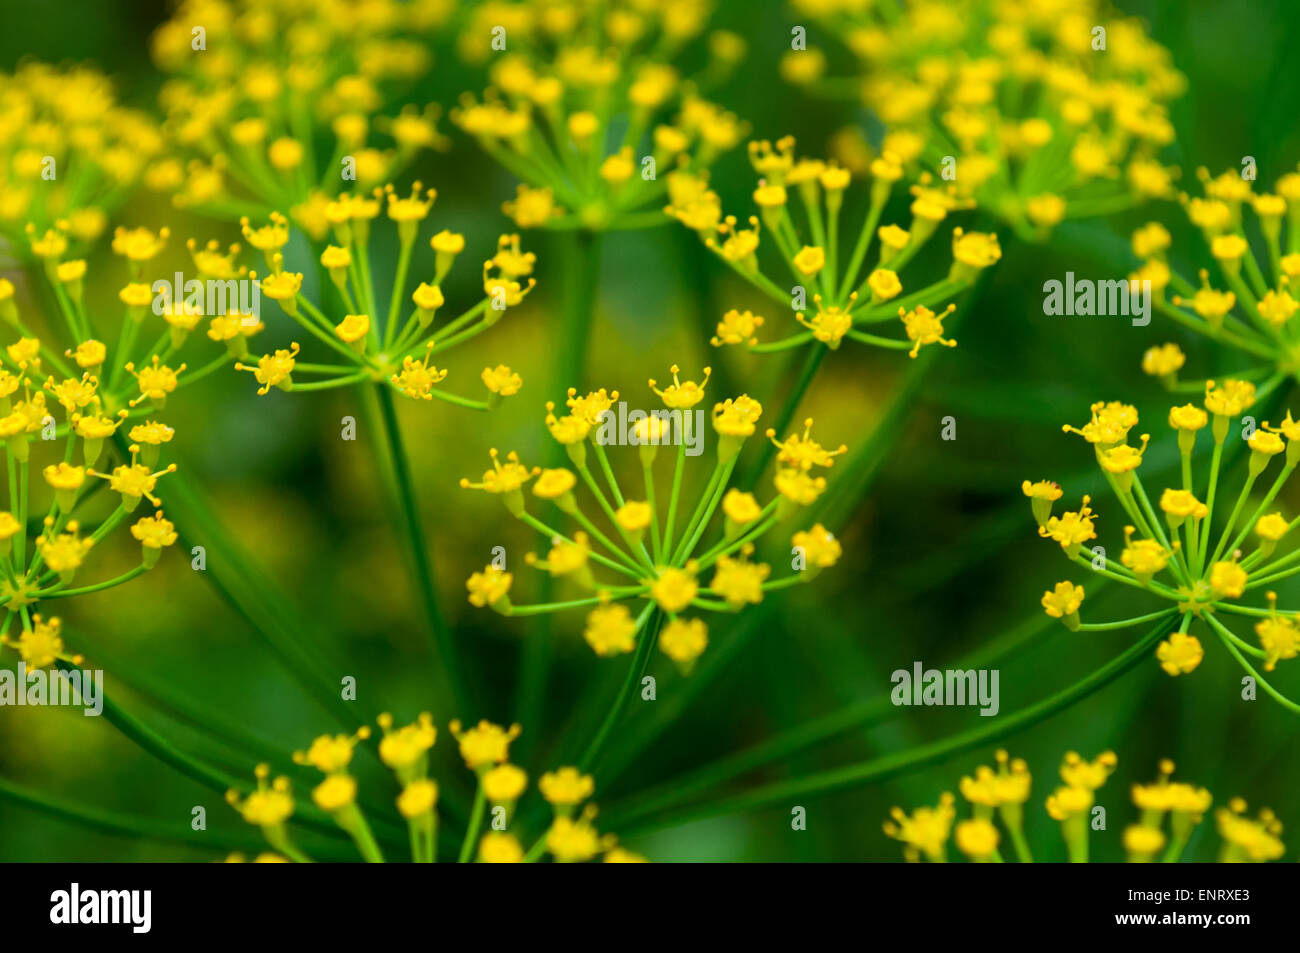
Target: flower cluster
{"x":75,"y":401}
{"x":396,"y":346}
{"x":1000,"y":795}
{"x":1173,"y":553}
{"x":485,"y":747}
{"x":587,"y":112}
{"x":68,"y":151}
{"x":812,"y":254}
{"x":1046,"y":111}
{"x":1253,"y":308}
{"x":662,"y":560}
{"x":257,"y":85}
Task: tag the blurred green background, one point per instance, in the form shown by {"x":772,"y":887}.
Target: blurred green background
{"x":941,"y":558}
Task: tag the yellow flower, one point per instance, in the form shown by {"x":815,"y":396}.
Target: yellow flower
{"x":682,"y":395}
{"x":274,"y":370}
{"x":42,"y":644}
{"x":674,"y":589}
{"x":809,"y":261}
{"x":335,"y":793}
{"x":884,"y":284}
{"x":1163,"y":360}
{"x":739,"y":581}
{"x":684,"y":640}
{"x":139,"y":244}
{"x":740,"y":507}
{"x":977,"y":838}
{"x":1230,"y":398}
{"x":136,"y":295}
{"x":976,"y":249}
{"x":353,"y":328}
{"x":803,"y":452}
{"x":403,"y":748}
{"x":926,"y":829}
{"x":1180,"y":653}
{"x":418,"y":378}
{"x":634,"y":516}
{"x":1009,"y":785}
{"x":418,"y":798}
{"x":411,"y":209}
{"x":154,"y":533}
{"x":485,"y":743}
{"x":736,"y":417}
{"x":1272,"y":527}
{"x":503,"y":477}
{"x":504,"y":783}
{"x":1145,"y":557}
{"x":1110,"y":423}
{"x":1276,"y":307}
{"x":498,"y":847}
{"x":737,"y":327}
{"x":818,"y":545}
{"x":566,"y":786}
{"x":90,"y":354}
{"x":330,"y":754}
{"x":553,"y":484}
{"x":798,"y":486}
{"x":1063,"y":602}
{"x":572,"y":841}
{"x":489,"y":587}
{"x":610,"y":630}
{"x":923,"y":327}
{"x":532,"y":208}
{"x":1182,"y":504}
{"x":501,"y":380}
{"x":1071,"y":529}
{"x":1188,"y":417}
{"x":268,"y":806}
{"x":1278,"y":636}
{"x":267,"y":238}
{"x":282,"y":286}
{"x":1123,"y":458}
{"x":1150,"y":240}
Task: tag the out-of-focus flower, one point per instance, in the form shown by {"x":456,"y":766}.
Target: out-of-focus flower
{"x":257,"y":86}
{"x":69,"y":153}
{"x":588,"y":111}
{"x":1016,"y":101}
{"x":1250,"y":300}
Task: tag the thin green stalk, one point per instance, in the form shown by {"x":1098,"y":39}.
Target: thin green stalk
{"x":812,"y":361}
{"x":451,"y":671}
{"x":892,"y":765}
{"x":475,"y":822}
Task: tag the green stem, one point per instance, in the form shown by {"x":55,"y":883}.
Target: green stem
{"x":443,"y":643}
{"x":893,"y":765}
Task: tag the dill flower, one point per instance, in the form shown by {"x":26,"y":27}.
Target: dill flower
{"x":69,"y":153}
{"x":593,"y":118}
{"x":840,"y":292}
{"x":1249,"y":302}
{"x":996,"y":797}
{"x":659,"y":546}
{"x":394,"y":345}
{"x":1036,"y":126}
{"x":58,"y":408}
{"x":246,"y":111}
{"x":1170,"y":548}
{"x":570,"y":836}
